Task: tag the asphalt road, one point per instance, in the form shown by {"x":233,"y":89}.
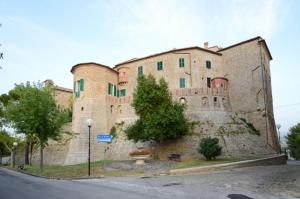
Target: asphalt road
{"x":255,"y":182}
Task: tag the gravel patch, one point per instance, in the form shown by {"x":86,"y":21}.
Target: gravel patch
{"x":151,"y":166}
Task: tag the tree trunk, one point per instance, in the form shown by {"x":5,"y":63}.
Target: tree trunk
{"x":27,"y":153}
{"x":41,"y":158}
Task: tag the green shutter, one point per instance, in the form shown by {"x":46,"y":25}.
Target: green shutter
{"x":115,"y":90}
{"x":160,"y":65}
{"x":140,"y":70}
{"x":109,"y":88}
{"x":74,"y":87}
{"x":182,"y":82}
{"x":124,"y":92}
{"x":81,"y":84}
{"x":181,"y":62}
{"x":118,"y":93}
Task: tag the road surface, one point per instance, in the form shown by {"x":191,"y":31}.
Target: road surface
{"x":270,"y":182}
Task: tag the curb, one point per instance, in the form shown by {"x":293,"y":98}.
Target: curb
{"x":272,"y":160}
{"x":49,"y":178}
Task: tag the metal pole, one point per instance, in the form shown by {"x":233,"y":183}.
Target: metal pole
{"x":89,"y":158}
{"x":13,"y":156}
{"x":279,"y":142}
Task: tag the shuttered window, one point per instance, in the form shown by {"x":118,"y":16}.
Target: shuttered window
{"x":115,"y":90}
{"x":208,"y":64}
{"x":182,"y":83}
{"x":81,"y":83}
{"x":109,"y":88}
{"x":160,"y":65}
{"x":181,"y":62}
{"x":123,"y":92}
{"x":140,"y":70}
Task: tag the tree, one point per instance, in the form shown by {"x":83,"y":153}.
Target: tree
{"x":160,"y":119}
{"x":6,"y":144}
{"x":293,"y":141}
{"x":209,"y":148}
{"x":36,"y":114}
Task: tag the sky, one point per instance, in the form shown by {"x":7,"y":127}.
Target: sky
{"x":44,"y":39}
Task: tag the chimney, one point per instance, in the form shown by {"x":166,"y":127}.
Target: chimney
{"x":49,"y":82}
{"x":205,"y":45}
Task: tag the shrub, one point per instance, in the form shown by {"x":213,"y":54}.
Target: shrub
{"x":209,"y":148}
{"x":293,"y":141}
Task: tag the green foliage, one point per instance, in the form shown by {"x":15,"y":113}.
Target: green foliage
{"x":252,"y":129}
{"x":34,"y":112}
{"x":6,"y":143}
{"x":160,"y":119}
{"x":113,"y":131}
{"x":209,"y":148}
{"x":293,"y":141}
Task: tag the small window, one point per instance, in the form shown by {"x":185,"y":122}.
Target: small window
{"x":208,"y":82}
{"x":123,"y":92}
{"x":208,"y":64}
{"x":160,"y":65}
{"x":82,"y":108}
{"x":215,"y":99}
{"x":182,"y":83}
{"x":181,"y":62}
{"x":140,"y":70}
{"x":109,"y":88}
{"x":111,"y":108}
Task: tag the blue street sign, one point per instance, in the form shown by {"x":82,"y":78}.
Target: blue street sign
{"x":104,"y":138}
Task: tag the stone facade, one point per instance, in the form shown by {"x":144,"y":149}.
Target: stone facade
{"x":227,"y":92}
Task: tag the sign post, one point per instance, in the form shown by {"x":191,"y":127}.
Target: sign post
{"x":105,"y":139}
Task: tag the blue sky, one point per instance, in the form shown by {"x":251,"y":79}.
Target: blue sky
{"x":43,"y":39}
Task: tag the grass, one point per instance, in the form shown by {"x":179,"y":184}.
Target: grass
{"x":76,"y":171}
{"x":203,"y":162}
{"x":81,"y":170}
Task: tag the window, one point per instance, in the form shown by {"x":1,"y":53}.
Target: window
{"x":123,"y":92}
{"x":160,"y":65}
{"x":182,"y":100}
{"x":208,"y":82}
{"x":181,"y":62}
{"x":118,"y":93}
{"x":115,"y":90}
{"x":208,"y":64}
{"x":74,"y":87}
{"x":81,"y":83}
{"x":140,"y":70}
{"x":109,"y":87}
{"x":182,"y":83}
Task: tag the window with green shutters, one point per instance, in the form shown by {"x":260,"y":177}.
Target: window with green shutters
{"x":182,"y":83}
{"x":109,"y":88}
{"x":115,"y":90}
{"x":208,"y":64}
{"x":181,"y":62}
{"x":160,"y":65}
{"x":81,"y":83}
{"x":123,"y":92}
{"x":140,"y":70}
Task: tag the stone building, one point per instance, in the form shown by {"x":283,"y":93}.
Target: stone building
{"x":227,"y":91}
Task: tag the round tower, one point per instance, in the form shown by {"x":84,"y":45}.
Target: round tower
{"x":94,"y":93}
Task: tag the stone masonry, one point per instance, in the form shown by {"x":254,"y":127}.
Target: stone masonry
{"x":227,"y":92}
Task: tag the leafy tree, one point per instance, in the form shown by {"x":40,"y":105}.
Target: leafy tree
{"x":36,"y":114}
{"x":6,"y":143}
{"x":209,"y":148}
{"x":293,"y":141}
{"x":160,"y":119}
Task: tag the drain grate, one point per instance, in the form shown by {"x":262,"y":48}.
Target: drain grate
{"x":145,"y":177}
{"x":172,"y":184}
{"x":238,"y":196}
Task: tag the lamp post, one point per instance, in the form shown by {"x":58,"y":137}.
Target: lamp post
{"x":15,"y":144}
{"x":278,"y":127}
{"x":89,"y":123}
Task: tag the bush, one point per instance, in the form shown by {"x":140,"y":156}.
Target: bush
{"x":209,"y":148}
{"x":293,"y":141}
